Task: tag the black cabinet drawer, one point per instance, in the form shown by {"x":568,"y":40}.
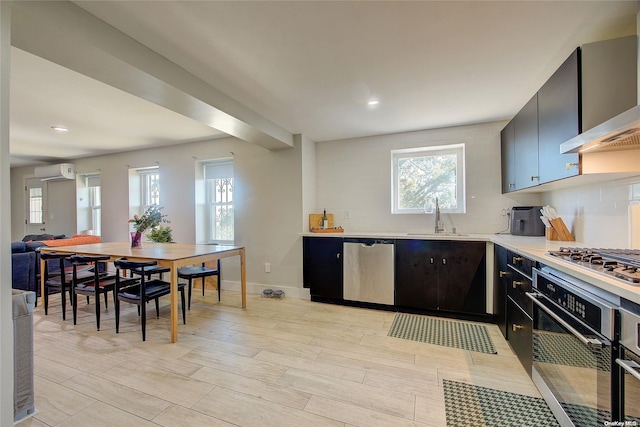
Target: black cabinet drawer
{"x":521,"y":263}
{"x":520,"y":334}
{"x":517,"y":287}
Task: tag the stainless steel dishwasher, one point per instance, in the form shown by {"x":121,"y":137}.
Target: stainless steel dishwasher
{"x":368,"y":270}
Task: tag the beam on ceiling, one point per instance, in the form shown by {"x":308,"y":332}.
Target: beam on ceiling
{"x":67,"y":35}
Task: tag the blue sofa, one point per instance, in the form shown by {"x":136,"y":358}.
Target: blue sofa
{"x":24,"y":269}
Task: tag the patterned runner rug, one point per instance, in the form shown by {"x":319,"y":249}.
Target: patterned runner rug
{"x":443,"y":332}
{"x":468,"y":405}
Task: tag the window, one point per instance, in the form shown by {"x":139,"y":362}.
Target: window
{"x":35,"y":205}
{"x":421,"y":174}
{"x":149,"y":188}
{"x":93,"y":185}
{"x":218,"y":178}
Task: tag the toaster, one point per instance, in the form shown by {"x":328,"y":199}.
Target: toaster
{"x":525,"y":221}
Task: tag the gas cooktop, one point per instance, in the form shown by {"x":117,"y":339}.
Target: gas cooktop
{"x":622,"y":264}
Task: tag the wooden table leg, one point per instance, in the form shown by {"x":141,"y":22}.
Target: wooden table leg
{"x":243,"y":278}
{"x":174,"y":303}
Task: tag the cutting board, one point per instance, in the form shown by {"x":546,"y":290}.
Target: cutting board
{"x":315,"y":221}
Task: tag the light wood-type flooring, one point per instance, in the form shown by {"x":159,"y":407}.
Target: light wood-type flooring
{"x":280,"y":362}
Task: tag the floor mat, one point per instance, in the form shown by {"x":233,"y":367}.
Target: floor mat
{"x":443,"y":332}
{"x":468,"y":405}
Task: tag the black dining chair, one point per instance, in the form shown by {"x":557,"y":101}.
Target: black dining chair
{"x":202,"y":272}
{"x":142,"y":292}
{"x":101,"y":282}
{"x":55,"y":279}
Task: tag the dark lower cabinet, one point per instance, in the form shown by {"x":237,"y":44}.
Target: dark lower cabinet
{"x":513,"y":280}
{"x":501,"y":281}
{"x":322,"y":269}
{"x":520,"y":334}
{"x":441,"y":275}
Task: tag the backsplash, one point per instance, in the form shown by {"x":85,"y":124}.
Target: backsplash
{"x":605,"y":214}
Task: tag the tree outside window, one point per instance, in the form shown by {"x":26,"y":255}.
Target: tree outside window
{"x":420,"y":175}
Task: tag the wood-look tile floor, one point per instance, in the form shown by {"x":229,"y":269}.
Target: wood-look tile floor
{"x":280,"y":362}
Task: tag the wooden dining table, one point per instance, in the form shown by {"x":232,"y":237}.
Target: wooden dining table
{"x":171,"y":255}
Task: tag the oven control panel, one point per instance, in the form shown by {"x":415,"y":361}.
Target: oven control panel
{"x":575,"y":304}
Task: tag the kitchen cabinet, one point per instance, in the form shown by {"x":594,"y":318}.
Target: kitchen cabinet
{"x":508,"y":151}
{"x":519,"y":148}
{"x":559,"y":120}
{"x":440,"y":275}
{"x":526,"y":144}
{"x":501,"y":281}
{"x":519,"y":308}
{"x":520,"y":334}
{"x":322,"y":267}
{"x":595,"y":83}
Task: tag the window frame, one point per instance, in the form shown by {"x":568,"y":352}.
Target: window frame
{"x":457,"y":149}
{"x":211,"y":205}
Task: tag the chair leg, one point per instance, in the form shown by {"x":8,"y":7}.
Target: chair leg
{"x":116,"y":302}
{"x":74,"y":306}
{"x":190,"y":283}
{"x":63,"y":297}
{"x":203,"y":286}
{"x":157,"y":308}
{"x":219,"y":283}
{"x":45,"y":297}
{"x":97,"y":294}
{"x":184,"y":314}
{"x":143,"y":320}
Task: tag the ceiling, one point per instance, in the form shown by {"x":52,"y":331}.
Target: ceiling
{"x":311,"y":67}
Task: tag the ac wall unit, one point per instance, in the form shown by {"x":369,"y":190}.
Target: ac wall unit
{"x":56,"y":172}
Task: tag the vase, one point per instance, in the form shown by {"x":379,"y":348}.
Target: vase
{"x":136,"y":239}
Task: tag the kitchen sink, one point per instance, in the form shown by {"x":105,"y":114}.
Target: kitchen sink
{"x":436,"y":234}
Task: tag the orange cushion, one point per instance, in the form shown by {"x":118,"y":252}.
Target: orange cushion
{"x":78,"y":239}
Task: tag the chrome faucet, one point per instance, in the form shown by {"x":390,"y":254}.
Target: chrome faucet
{"x":439,"y":227}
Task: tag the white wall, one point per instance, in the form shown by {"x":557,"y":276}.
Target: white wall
{"x":268,"y":197}
{"x":597,"y":214}
{"x":355,"y":175}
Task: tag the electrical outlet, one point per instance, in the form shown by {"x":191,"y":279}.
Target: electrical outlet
{"x":267,"y":267}
{"x":347,"y":214}
{"x":504,"y":212}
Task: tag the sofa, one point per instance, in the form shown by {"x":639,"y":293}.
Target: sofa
{"x":25,"y":262}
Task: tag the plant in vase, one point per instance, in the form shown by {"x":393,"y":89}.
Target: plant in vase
{"x":161,"y":234}
{"x":150,"y":219}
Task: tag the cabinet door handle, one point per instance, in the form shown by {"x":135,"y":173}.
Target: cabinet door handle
{"x":516,"y":284}
{"x":569,"y":165}
{"x":338,"y":256}
{"x":534,"y":178}
{"x":512,"y":185}
{"x":517,"y":259}
{"x":431,"y":260}
{"x":444,"y":261}
{"x":515,"y":327}
{"x":504,"y":273}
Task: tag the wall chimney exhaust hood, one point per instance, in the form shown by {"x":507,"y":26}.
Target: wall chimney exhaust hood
{"x":610,"y":114}
{"x":619,"y":133}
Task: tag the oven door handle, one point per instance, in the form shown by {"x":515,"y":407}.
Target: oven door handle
{"x":629,"y":366}
{"x":582,"y":338}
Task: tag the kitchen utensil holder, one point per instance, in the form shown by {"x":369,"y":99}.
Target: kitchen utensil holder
{"x":558,"y":231}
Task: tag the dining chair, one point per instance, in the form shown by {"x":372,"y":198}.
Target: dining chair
{"x":195,"y":272}
{"x":142,"y":292}
{"x":101,"y":282}
{"x":54,"y":279}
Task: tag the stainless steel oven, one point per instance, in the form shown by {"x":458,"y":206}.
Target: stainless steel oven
{"x":629,"y":362}
{"x":574,"y":332}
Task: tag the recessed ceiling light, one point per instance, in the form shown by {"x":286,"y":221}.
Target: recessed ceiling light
{"x":373,"y":103}
{"x":60,"y":128}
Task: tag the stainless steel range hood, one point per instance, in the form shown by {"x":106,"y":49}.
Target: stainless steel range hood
{"x":610,"y":114}
{"x":619,"y":133}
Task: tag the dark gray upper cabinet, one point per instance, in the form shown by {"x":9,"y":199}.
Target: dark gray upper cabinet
{"x":559,"y":120}
{"x":597,"y":82}
{"x":526,"y":144}
{"x":508,"y":150}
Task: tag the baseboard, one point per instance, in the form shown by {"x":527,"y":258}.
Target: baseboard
{"x":257,"y":288}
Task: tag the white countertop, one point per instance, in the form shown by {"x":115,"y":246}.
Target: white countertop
{"x":532,"y":247}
